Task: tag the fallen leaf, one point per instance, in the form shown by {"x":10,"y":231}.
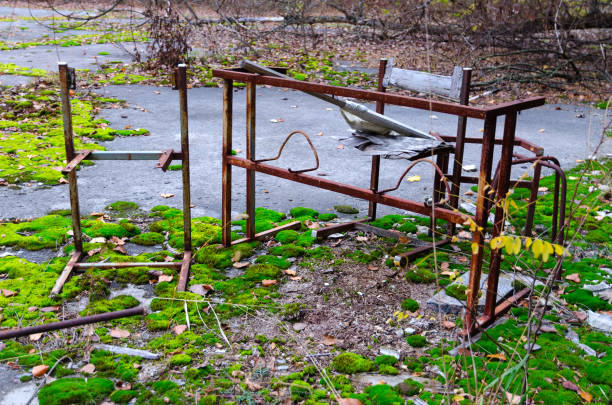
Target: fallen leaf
{"x":311,"y":224}
{"x":413,"y":178}
{"x":178,"y":329}
{"x":469,"y":192}
{"x":448,"y":325}
{"x":96,"y":214}
{"x":94,"y":251}
{"x":320,"y":134}
{"x":464,"y":235}
{"x":119,"y":333}
{"x":62,"y":181}
{"x":573,"y":277}
{"x":241,"y":265}
{"x":372,"y":267}
{"x":8,"y":293}
{"x":542,"y":189}
{"x":99,"y":239}
{"x":88,"y":369}
{"x":541,"y":130}
{"x":568,"y":385}
{"x":39,"y":371}
{"x":290,"y":272}
{"x":120,"y":249}
{"x":252,"y":386}
{"x":156,"y":92}
{"x":165,"y":277}
{"x":513,"y":399}
{"x":586,"y":396}
{"x":329,"y":340}
{"x":118,"y":241}
{"x":497,"y":356}
{"x":35,"y":337}
{"x":403,"y":239}
{"x":298,"y":278}
{"x":340,"y":146}
{"x":362,"y":239}
{"x":167,"y":195}
{"x":49,"y":309}
{"x":268,"y":283}
{"x":201,"y":289}
{"x":349,"y":401}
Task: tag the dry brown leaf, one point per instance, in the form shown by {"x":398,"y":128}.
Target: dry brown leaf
{"x":513,"y":399}
{"x":120,"y":249}
{"x":178,"y":329}
{"x":320,"y":134}
{"x":167,"y":195}
{"x":8,"y":293}
{"x":297,"y":278}
{"x":290,"y":272}
{"x":62,"y":181}
{"x":119,"y":333}
{"x":372,"y":267}
{"x":312,"y":225}
{"x":362,"y":239}
{"x":268,"y":283}
{"x":35,"y":337}
{"x":573,"y":277}
{"x":329,"y":340}
{"x":96,"y":214}
{"x":448,"y":324}
{"x":349,"y":401}
{"x":568,"y":385}
{"x":241,"y":265}
{"x":50,"y":309}
{"x":118,"y":241}
{"x":403,"y":239}
{"x":464,"y":235}
{"x":444,"y":266}
{"x":497,"y":356}
{"x":39,"y":371}
{"x":165,"y":277}
{"x":253,"y":386}
{"x":340,"y":146}
{"x":88,"y":369}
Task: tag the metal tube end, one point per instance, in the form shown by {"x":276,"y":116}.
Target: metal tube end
{"x":62,"y":63}
{"x":182,"y":65}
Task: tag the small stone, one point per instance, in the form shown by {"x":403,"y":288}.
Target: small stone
{"x":534,"y":347}
{"x":469,"y":168}
{"x":548,"y":329}
{"x":335,"y":236}
{"x":39,"y":371}
{"x":448,"y":324}
{"x":49,"y":309}
{"x":385,"y":351}
{"x":201,"y":289}
{"x":35,"y":337}
{"x":268,"y":283}
{"x":409,"y":331}
{"x":580,"y":315}
{"x":299,"y":326}
{"x":8,"y":293}
{"x":32,"y":308}
{"x":88,"y":369}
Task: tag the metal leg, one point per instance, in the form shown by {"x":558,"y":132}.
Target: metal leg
{"x":375,"y":171}
{"x":181,"y":84}
{"x":226,"y":194}
{"x":533,"y":197}
{"x":250,"y":154}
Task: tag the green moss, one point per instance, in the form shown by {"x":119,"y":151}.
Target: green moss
{"x":327,"y":217}
{"x":274,"y":261}
{"x":287,"y":236}
{"x":387,"y":221}
{"x":180,"y":360}
{"x":175,"y":167}
{"x":556,"y":397}
{"x":116,"y":304}
{"x":457,"y":291}
{"x":346,"y":209}
{"x":387,"y":370}
{"x":597,"y":236}
{"x":586,"y":299}
{"x":407,"y":227}
{"x":260,"y":272}
{"x":148,"y":239}
{"x":385,"y":359}
{"x":122,"y":206}
{"x":416,"y":340}
{"x":351,"y":363}
{"x":75,"y":390}
{"x":163,"y":386}
{"x":599,"y":372}
{"x":299,"y":212}
{"x":383,"y":394}
{"x":123,"y":396}
{"x":410,"y":305}
{"x":98,"y":228}
{"x":288,"y":250}
{"x":419,"y":275}
{"x":46,"y":232}
{"x":299,"y":390}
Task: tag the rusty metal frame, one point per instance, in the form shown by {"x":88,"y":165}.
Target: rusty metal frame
{"x":164,"y":158}
{"x":487,"y":114}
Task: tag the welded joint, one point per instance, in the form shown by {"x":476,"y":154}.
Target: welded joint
{"x":164,"y":160}
{"x":75,"y":162}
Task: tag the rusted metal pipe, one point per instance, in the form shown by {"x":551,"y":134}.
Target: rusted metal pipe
{"x":69,"y":323}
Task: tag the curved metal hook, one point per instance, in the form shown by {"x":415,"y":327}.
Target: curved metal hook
{"x":280,"y":151}
{"x":436,"y":167}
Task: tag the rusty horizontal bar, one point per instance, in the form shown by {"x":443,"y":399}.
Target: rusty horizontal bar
{"x":130,"y":155}
{"x":498,"y":141}
{"x":125,"y":265}
{"x":75,"y":161}
{"x":353,"y":191}
{"x":515,"y":106}
{"x":336,"y":228}
{"x":387,"y":98}
{"x":503,"y":307}
{"x":69,"y":323}
{"x":403,"y":259}
{"x":270,"y":232}
{"x":385,"y":233}
{"x":164,"y":160}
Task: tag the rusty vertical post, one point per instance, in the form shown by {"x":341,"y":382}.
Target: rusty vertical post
{"x":67,"y":81}
{"x":375,"y":171}
{"x":250,"y":154}
{"x":464,"y":99}
{"x":533,"y":196}
{"x":505,"y":166}
{"x":181,"y":84}
{"x":484,"y":181}
{"x":226,"y":194}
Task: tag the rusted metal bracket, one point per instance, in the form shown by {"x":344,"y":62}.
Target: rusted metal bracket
{"x":435,"y":166}
{"x":75,"y":162}
{"x":164,"y":160}
{"x":69,"y":323}
{"x":269,"y":232}
{"x":280,"y":151}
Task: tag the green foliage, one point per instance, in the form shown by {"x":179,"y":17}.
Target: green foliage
{"x":416,"y":340}
{"x":346,"y":209}
{"x":148,"y":239}
{"x":300,"y":212}
{"x":410,"y":305}
{"x":180,"y":360}
{"x":75,"y":391}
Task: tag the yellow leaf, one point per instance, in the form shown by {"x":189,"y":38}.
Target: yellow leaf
{"x":516,"y":246}
{"x":537,"y":248}
{"x":475,"y":248}
{"x":527,"y":243}
{"x":472,"y":226}
{"x":454,"y":239}
{"x":413,"y":178}
{"x":508,"y":244}
{"x":497,"y":356}
{"x":497,"y":242}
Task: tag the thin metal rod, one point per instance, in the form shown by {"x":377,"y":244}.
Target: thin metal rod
{"x":124,"y":265}
{"x":181,"y":84}
{"x":226,"y":193}
{"x":184,"y":273}
{"x":484,"y":182}
{"x":251,"y":94}
{"x":129,"y":155}
{"x":14,"y":333}
{"x":65,"y":79}
{"x":375,"y":170}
